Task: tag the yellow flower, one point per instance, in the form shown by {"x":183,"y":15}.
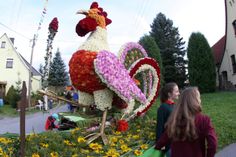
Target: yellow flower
{"x":67,"y":142}
{"x":114,"y":139}
{"x":35,"y":155}
{"x":144,"y":146}
{"x":135,"y":137}
{"x":117,"y":132}
{"x":1,"y":151}
{"x":95,"y":146}
{"x":112,"y":144}
{"x":75,"y":130}
{"x":81,"y":140}
{"x":5,"y":140}
{"x":5,"y":155}
{"x":54,"y":154}
{"x":45,"y":145}
{"x":125,"y":148}
{"x":121,"y":141}
{"x":137,"y":152}
{"x":112,"y":153}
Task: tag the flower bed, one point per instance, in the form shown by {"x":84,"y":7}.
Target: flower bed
{"x":73,"y":144}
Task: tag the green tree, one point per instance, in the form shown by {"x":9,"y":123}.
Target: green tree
{"x":171,"y":48}
{"x":57,"y":74}
{"x":153,"y":51}
{"x":12,"y":97}
{"x":201,"y":67}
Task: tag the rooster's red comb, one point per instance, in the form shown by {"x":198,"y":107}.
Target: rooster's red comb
{"x":94,"y":5}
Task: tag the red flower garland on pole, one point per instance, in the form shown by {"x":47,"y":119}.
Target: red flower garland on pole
{"x":54,"y":25}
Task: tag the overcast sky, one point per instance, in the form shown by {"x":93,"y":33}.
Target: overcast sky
{"x":131,"y":19}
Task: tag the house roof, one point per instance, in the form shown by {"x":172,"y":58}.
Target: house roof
{"x":33,"y":70}
{"x":218,"y":50}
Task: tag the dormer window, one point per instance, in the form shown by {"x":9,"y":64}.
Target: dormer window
{"x":234,"y":25}
{"x":3,"y":45}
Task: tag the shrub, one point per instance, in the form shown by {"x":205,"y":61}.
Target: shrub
{"x":12,"y":97}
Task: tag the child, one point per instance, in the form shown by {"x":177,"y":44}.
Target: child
{"x":169,"y":93}
{"x":50,"y":122}
{"x":188,"y":129}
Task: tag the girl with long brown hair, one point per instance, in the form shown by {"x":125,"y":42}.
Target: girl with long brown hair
{"x":187,"y":128}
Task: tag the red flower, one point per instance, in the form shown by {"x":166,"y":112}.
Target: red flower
{"x":53,"y":25}
{"x":122,"y":125}
{"x":82,"y":73}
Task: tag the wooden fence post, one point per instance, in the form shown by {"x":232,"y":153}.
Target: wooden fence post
{"x":23,"y":102}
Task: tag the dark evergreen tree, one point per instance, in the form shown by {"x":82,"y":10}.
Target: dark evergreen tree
{"x":171,"y":48}
{"x":153,"y":51}
{"x":41,"y":68}
{"x":57,"y":75}
{"x":12,"y":97}
{"x":201,"y":67}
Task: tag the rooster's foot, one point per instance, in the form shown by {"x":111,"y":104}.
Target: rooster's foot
{"x":94,"y":136}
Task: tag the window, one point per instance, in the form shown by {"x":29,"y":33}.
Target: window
{"x":3,"y":44}
{"x":233,"y":63}
{"x":9,"y":63}
{"x":234,"y":26}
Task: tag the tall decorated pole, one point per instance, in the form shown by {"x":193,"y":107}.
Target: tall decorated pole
{"x":32,"y":51}
{"x":53,"y":27}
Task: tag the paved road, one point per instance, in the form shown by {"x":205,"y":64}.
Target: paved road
{"x":33,"y":122}
{"x":228,"y":151}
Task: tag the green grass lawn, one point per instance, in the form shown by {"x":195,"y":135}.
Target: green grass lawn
{"x":8,"y":111}
{"x":221,"y":108}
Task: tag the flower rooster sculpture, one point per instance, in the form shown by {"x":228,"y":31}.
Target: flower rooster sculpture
{"x":104,"y":79}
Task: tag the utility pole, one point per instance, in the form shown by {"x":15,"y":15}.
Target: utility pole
{"x":30,"y":72}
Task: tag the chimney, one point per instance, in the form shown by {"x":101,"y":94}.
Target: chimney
{"x":12,"y":40}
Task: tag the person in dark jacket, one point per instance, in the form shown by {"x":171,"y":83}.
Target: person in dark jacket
{"x":69,"y":97}
{"x":169,"y":93}
{"x":190,"y":132}
{"x":50,"y":122}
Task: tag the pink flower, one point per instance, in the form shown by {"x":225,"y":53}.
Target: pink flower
{"x":114,"y":74}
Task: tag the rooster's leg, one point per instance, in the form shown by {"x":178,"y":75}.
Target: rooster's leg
{"x":104,"y":137}
{"x":101,"y":133}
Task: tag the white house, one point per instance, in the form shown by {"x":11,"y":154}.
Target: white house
{"x":13,"y":67}
{"x":225,"y":50}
